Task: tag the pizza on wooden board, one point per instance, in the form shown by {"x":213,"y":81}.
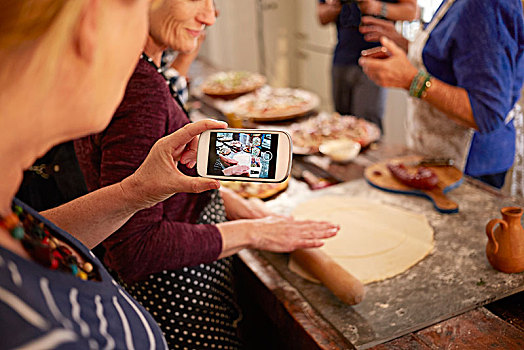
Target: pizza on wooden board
{"x":307,"y":136}
{"x":232,"y":83}
{"x":268,"y":104}
{"x":260,"y":190}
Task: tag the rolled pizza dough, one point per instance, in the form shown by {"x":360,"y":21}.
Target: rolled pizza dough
{"x":376,"y":241}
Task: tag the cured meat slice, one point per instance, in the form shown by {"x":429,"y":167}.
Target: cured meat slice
{"x":424,"y":178}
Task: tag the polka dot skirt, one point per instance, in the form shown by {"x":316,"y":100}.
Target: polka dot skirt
{"x":194,"y":306}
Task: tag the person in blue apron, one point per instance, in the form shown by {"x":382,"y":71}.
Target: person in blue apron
{"x":353,"y":92}
{"x":464,"y":73}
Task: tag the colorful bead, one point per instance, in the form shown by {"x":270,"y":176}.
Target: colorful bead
{"x":82,"y":275}
{"x":10,"y":221}
{"x":41,"y":245}
{"x":17,"y":210}
{"x":39,"y":232}
{"x":18,"y":232}
{"x":88,"y":267}
{"x":54,"y":264}
{"x":52,"y":244}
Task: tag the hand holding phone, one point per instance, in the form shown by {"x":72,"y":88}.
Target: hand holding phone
{"x":376,"y":52}
{"x":244,"y":155}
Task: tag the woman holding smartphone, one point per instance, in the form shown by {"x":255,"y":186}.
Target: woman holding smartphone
{"x":63,"y":68}
{"x":172,"y":256}
{"x":464,"y":73}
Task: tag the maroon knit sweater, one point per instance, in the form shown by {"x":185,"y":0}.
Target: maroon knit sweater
{"x":164,"y":237}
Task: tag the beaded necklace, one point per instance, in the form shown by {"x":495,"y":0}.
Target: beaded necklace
{"x":42,"y":247}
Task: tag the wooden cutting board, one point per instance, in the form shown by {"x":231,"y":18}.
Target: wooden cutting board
{"x":378,"y":175}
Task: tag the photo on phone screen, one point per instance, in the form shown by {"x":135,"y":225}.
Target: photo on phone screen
{"x":241,"y":154}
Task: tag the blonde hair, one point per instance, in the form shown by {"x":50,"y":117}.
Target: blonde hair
{"x":26,"y":25}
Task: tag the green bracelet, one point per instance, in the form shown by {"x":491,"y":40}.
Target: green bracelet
{"x":413,"y":88}
{"x":419,"y":84}
{"x":424,"y":85}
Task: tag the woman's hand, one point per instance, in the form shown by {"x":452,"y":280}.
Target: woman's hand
{"x":284,"y":234}
{"x":241,"y":208}
{"x":395,"y":71}
{"x":328,"y":12}
{"x":158,"y":177}
{"x":274,"y":233}
{"x":227,"y":161}
{"x":375,"y":28}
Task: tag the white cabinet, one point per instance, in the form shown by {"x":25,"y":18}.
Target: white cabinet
{"x":314,"y":52}
{"x":278,"y":30}
{"x":309,"y":30}
{"x":314,"y":74}
{"x":231,"y":43}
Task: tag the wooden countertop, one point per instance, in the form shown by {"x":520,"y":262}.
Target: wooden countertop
{"x":277,"y":315}
{"x":275,"y":303}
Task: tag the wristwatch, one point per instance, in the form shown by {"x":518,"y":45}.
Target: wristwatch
{"x":383,"y":10}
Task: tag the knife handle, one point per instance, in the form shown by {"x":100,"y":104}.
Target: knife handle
{"x":340,"y":282}
{"x":436,"y":162}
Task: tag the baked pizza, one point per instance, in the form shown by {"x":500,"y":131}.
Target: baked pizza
{"x":269,"y":104}
{"x":307,"y":136}
{"x":232,"y":83}
{"x":260,"y":190}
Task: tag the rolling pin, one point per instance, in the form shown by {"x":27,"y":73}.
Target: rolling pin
{"x":340,"y":282}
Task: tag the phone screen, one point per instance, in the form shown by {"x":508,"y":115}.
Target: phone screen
{"x":243,"y":154}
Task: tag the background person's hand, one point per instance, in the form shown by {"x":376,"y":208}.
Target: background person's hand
{"x":274,"y":233}
{"x":374,"y":28}
{"x":158,"y":178}
{"x":328,"y":11}
{"x":334,"y":3}
{"x":395,"y":71}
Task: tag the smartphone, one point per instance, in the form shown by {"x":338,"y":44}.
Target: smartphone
{"x":244,"y":155}
{"x":376,"y":52}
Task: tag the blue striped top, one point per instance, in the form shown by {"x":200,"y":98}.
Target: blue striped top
{"x":43,"y":309}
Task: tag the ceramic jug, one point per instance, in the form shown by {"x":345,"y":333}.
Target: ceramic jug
{"x":505,"y":248}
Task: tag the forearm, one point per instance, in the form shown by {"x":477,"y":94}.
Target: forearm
{"x":227,"y":195}
{"x":453,"y":101}
{"x":273,"y":233}
{"x":235,"y":237}
{"x":93,"y":217}
{"x":404,"y":10}
{"x":327,"y":13}
{"x":231,"y":200}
